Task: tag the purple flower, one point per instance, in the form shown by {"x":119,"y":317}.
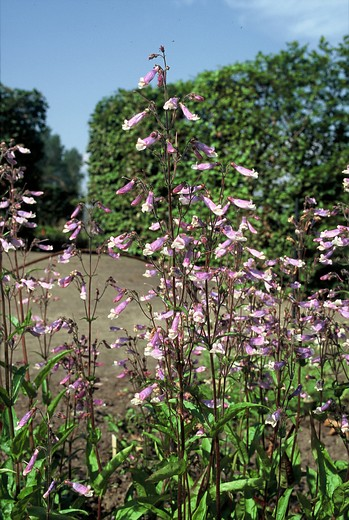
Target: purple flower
{"x":216,"y":208}
{"x":80,"y":488}
{"x":130,"y":123}
{"x":50,"y":488}
{"x":142,"y":144}
{"x":171,"y":104}
{"x":207,"y":150}
{"x":140,"y":397}
{"x":144,"y":81}
{"x":148,"y":205}
{"x":26,"y":418}
{"x":125,"y":189}
{"x":243,"y":204}
{"x":188,"y":114}
{"x":114,"y":313}
{"x":31,"y":463}
{"x":245,"y":171}
{"x":195,"y":97}
{"x":154,"y":246}
{"x":323,"y":408}
{"x":274,"y":417}
{"x":204,"y":166}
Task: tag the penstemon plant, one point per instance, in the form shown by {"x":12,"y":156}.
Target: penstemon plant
{"x":237,"y":344}
{"x":233,"y":360}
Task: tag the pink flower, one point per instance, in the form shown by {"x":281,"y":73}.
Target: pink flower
{"x":50,"y":488}
{"x":140,"y":397}
{"x":130,"y":123}
{"x":245,"y":171}
{"x":80,"y":488}
{"x":170,"y":148}
{"x":188,"y":114}
{"x":205,"y":166}
{"x":274,"y":418}
{"x":137,"y":200}
{"x":144,"y":81}
{"x":215,"y":208}
{"x":207,"y":150}
{"x":76,"y":211}
{"x":171,"y":104}
{"x":148,"y":205}
{"x":26,"y":418}
{"x":125,"y":189}
{"x":243,"y":204}
{"x":114,"y":313}
{"x":31,"y":463}
{"x":154,"y":246}
{"x":142,"y":144}
{"x":196,"y":97}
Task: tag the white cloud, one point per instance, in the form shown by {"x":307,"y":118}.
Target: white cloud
{"x":297,"y":19}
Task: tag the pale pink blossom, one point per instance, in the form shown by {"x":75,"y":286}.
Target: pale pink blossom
{"x":187,"y":114}
{"x":204,"y":166}
{"x":148,"y":205}
{"x":125,"y":189}
{"x":142,"y":144}
{"x":31,"y":463}
{"x":207,"y":150}
{"x":171,"y":104}
{"x":245,"y":171}
{"x":114,"y":313}
{"x":130,"y":123}
{"x":243,"y":204}
{"x":217,"y":209}
{"x":144,"y":81}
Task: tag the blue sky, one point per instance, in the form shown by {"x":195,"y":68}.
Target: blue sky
{"x":75,"y":52}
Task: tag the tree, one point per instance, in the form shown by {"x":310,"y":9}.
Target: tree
{"x":284,"y":115}
{"x":23,"y":120}
{"x":61,"y":179}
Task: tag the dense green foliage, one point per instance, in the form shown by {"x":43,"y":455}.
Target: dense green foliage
{"x":284,"y":115}
{"x":61,"y":178}
{"x":53,"y":169}
{"x":23,"y":120}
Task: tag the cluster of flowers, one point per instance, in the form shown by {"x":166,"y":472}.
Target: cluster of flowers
{"x":249,"y":334}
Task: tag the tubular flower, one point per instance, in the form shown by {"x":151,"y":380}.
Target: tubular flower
{"x":204,"y":166}
{"x":142,"y":144}
{"x":114,"y":313}
{"x":171,"y":104}
{"x":245,"y":171}
{"x":144,"y":81}
{"x":26,"y":418}
{"x":148,"y":205}
{"x":243,"y":204}
{"x":207,"y":150}
{"x":80,"y":488}
{"x":274,"y":418}
{"x":130,"y":123}
{"x":125,"y":189}
{"x":31,"y":463}
{"x":187,"y":114}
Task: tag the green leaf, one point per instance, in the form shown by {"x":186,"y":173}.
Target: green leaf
{"x":91,"y":461}
{"x":232,"y":412}
{"x":40,"y":513}
{"x":101,"y":481}
{"x":200,"y":512}
{"x":282,"y":505}
{"x":245,"y":484}
{"x":5,"y":398}
{"x":48,"y":367}
{"x":177,"y":467}
{"x":340,"y":499}
{"x":17,"y":381}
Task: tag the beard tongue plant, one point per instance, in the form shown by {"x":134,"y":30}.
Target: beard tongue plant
{"x":239,"y":345}
{"x":234,"y":359}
